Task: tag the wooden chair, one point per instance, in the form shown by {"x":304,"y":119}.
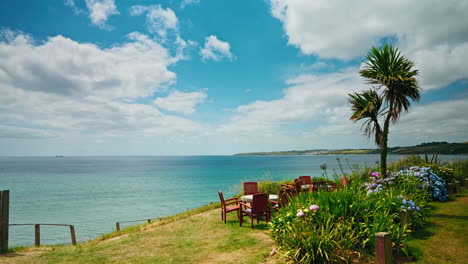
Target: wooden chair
{"x":259,"y":207}
{"x":250,"y":188}
{"x":229,"y":205}
{"x":305,"y":180}
{"x":283,"y":200}
{"x":298,"y":186}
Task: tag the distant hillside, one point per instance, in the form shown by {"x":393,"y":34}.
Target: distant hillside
{"x":443,"y":148}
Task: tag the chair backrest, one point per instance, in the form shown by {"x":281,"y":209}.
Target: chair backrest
{"x":250,"y":188}
{"x":221,"y":197}
{"x":283,"y":198}
{"x":291,"y":192}
{"x":260,"y":203}
{"x":297,"y":185}
{"x":305,"y":180}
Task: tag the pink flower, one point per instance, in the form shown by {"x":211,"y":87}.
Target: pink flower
{"x":314,"y":207}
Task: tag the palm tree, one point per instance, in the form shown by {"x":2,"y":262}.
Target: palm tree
{"x":390,"y":71}
{"x":367,"y":105}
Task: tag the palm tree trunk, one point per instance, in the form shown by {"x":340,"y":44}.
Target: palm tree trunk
{"x":384,"y":149}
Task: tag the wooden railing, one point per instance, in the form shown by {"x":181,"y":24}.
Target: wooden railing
{"x":37,"y":232}
{"x":117,"y":224}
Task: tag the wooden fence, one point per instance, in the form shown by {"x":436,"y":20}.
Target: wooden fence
{"x":37,"y":232}
{"x":117,"y":224}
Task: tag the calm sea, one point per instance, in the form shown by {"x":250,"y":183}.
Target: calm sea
{"x":92,"y":193}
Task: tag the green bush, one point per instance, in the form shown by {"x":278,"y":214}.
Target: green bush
{"x":460,"y":170}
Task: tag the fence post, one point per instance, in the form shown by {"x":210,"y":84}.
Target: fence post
{"x":37,"y":235}
{"x":450,"y":189}
{"x":117,"y":226}
{"x":405,"y":218}
{"x":383,"y":248}
{"x":73,"y":236}
{"x":4,"y":219}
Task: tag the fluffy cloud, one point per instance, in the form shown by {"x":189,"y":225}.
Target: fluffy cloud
{"x":317,"y":105}
{"x":62,"y":86}
{"x":180,"y":102}
{"x":426,"y":30}
{"x":65,"y":67}
{"x":441,"y":65}
{"x":438,"y":121}
{"x":215,"y":49}
{"x":159,"y":20}
{"x":185,"y":3}
{"x":100,"y":10}
{"x":310,"y":98}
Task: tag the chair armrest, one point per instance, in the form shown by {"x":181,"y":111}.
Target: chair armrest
{"x":233,"y":202}
{"x":274,"y":202}
{"x":244,"y":204}
{"x":230,"y":199}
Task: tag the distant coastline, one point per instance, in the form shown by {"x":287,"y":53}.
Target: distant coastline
{"x":442,"y":148}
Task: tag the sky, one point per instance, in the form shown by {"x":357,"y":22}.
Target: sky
{"x":218,"y":77}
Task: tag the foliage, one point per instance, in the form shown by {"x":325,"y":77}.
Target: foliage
{"x":444,"y":172}
{"x":406,"y":162}
{"x":460,"y":169}
{"x":324,"y":227}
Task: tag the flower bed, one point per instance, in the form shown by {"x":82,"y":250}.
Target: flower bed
{"x":324,"y":227}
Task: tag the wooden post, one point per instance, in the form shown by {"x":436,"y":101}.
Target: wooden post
{"x":450,"y":189}
{"x":117,"y":226}
{"x":37,"y":235}
{"x":4,"y":219}
{"x":383,"y":248}
{"x":73,"y":236}
{"x":405,"y":217}
{"x":458,"y":186}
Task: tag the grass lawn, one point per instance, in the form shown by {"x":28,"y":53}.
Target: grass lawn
{"x":195,"y":237}
{"x":445,"y":240}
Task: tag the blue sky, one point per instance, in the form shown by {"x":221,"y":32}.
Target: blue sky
{"x":210,"y":77}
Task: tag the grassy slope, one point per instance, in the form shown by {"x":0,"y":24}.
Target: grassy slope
{"x":194,"y":238}
{"x":200,"y":237}
{"x":446,"y":238}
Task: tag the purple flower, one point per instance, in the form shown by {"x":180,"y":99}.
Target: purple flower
{"x":314,"y":207}
{"x":300,"y":214}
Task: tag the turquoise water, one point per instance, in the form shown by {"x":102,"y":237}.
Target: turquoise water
{"x":92,"y":193}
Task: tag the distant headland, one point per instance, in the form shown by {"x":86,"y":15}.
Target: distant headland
{"x":442,"y":148}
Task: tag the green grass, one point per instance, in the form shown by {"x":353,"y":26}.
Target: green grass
{"x":445,"y":240}
{"x":198,"y":236}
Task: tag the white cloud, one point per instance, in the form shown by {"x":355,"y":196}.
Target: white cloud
{"x":310,"y":98}
{"x":101,"y":10}
{"x":441,"y":65}
{"x":314,"y":113}
{"x":438,"y":121}
{"x":180,"y":102}
{"x":430,"y":31}
{"x":65,"y":67}
{"x":185,"y":3}
{"x":71,"y":87}
{"x":215,"y":49}
{"x":76,"y":9}
{"x":159,"y":20}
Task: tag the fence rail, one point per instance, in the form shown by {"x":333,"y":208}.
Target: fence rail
{"x":117,"y":224}
{"x":37,"y":232}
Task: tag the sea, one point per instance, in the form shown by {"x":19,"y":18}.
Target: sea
{"x":93,"y":193}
